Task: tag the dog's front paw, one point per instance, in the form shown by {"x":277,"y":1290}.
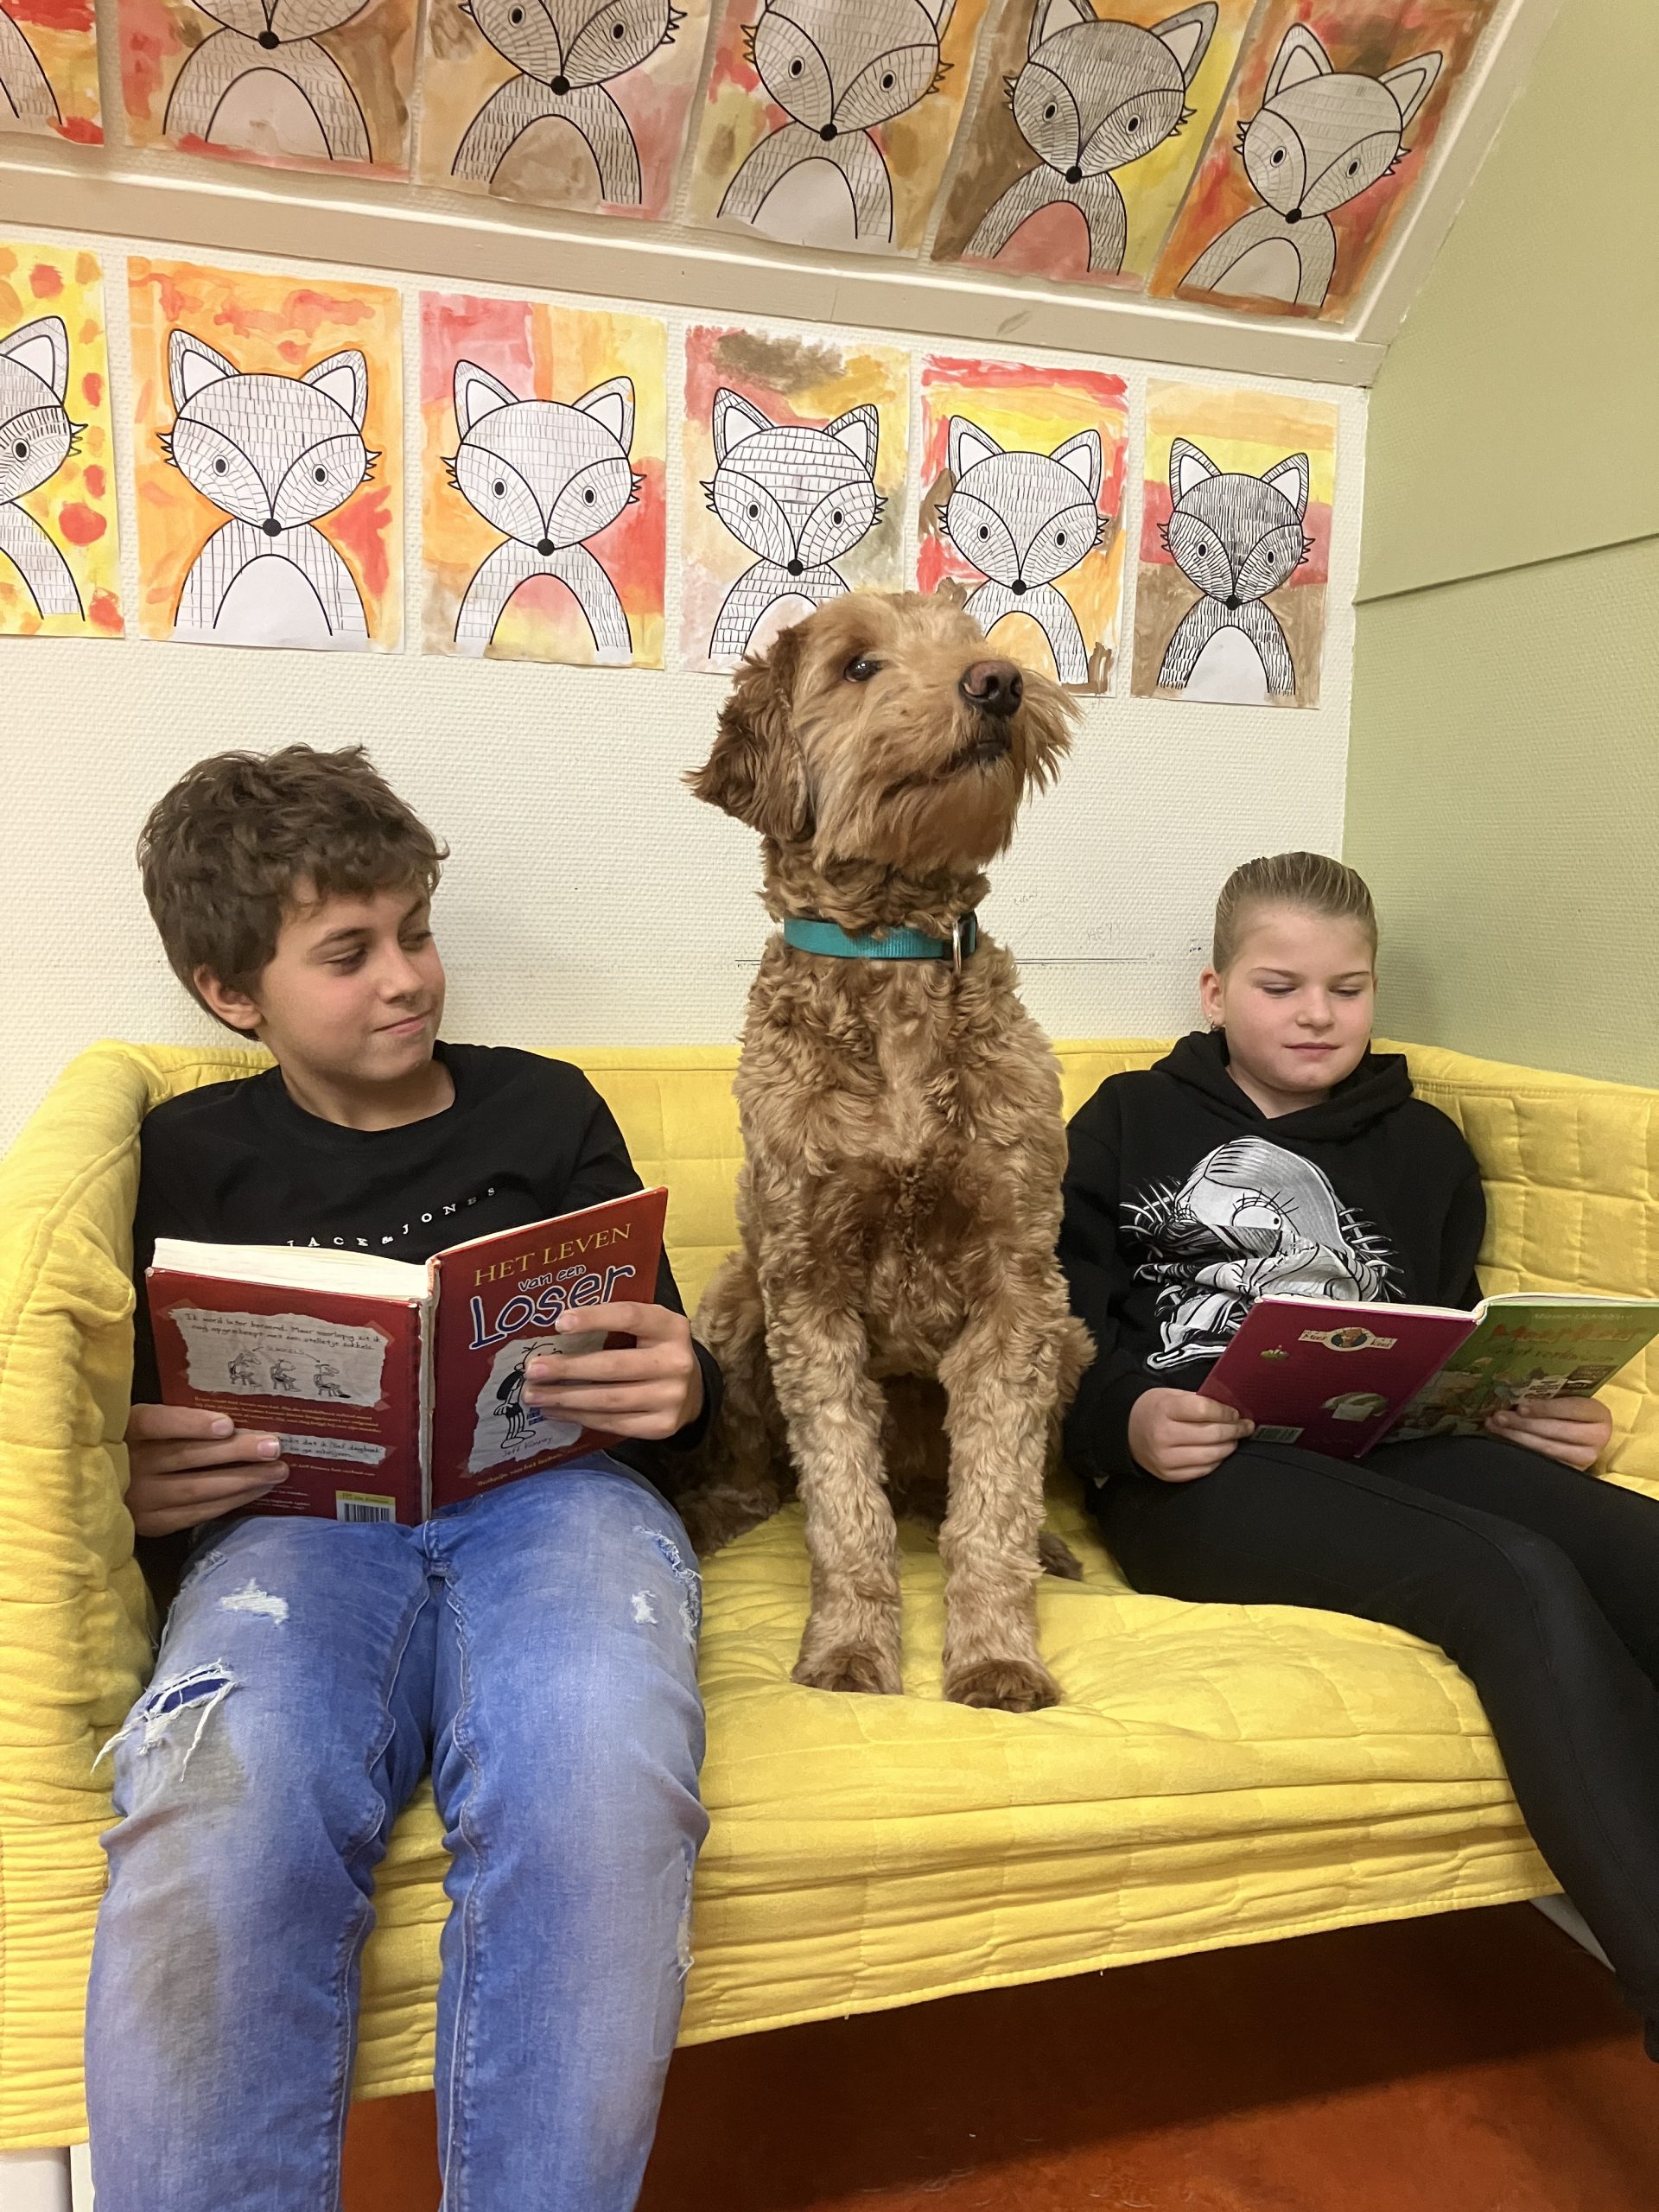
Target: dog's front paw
{"x":1007,"y":1685}
{"x":853,"y":1667}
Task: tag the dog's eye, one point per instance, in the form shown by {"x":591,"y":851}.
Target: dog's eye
{"x":860,"y":670}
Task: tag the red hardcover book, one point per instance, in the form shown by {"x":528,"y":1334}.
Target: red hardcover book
{"x":1332,"y":1378}
{"x":395,"y":1389}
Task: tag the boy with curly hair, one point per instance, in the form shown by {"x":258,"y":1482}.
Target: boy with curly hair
{"x":504,"y":1644}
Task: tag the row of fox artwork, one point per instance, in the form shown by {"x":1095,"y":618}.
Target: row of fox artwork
{"x":1248,"y":153}
{"x":268,"y":455}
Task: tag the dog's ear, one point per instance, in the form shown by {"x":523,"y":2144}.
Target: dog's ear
{"x":755,"y":771}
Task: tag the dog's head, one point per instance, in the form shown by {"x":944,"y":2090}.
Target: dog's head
{"x":884,"y":728}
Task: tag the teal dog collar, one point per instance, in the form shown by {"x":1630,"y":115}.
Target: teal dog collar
{"x":807,"y":934}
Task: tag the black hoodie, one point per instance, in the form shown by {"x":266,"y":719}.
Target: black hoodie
{"x":1185,"y":1204}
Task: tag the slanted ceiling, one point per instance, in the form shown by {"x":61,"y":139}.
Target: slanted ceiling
{"x":295,"y":214}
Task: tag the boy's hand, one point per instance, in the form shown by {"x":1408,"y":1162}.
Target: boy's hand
{"x":1178,"y":1436}
{"x":188,"y":1465}
{"x":1575,"y":1431}
{"x":650,"y":1390}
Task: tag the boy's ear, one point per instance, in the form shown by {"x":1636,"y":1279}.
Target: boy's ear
{"x":233,"y":1008}
{"x":755,"y":772}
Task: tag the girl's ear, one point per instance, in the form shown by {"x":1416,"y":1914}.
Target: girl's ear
{"x":1211,"y":997}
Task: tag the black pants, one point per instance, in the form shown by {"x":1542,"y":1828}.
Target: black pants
{"x":1542,"y":1585}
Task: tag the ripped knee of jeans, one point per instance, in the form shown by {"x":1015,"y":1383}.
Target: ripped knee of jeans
{"x":687,"y":1580}
{"x":684,"y":1958}
{"x":175,"y":1711}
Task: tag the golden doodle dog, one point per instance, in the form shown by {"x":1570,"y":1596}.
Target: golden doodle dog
{"x":894,"y":1327}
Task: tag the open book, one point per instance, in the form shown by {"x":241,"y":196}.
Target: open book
{"x":1337,"y":1378}
{"x":395,"y":1388}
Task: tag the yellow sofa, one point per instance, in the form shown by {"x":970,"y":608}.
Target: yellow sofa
{"x":1217,"y":1774}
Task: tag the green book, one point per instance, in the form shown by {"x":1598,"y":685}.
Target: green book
{"x":1529,"y":1346}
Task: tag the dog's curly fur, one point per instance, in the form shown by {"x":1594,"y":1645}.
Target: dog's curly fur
{"x":896,"y":1316}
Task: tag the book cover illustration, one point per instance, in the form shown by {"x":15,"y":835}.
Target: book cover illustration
{"x":497,"y":1311}
{"x":1327,"y":1378}
{"x":1529,"y":1351}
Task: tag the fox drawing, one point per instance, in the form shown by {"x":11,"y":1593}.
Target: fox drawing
{"x":837,"y":68}
{"x":1236,"y":538}
{"x":1092,"y":97}
{"x":550,"y":476}
{"x":1023,"y":519}
{"x":564,"y":53}
{"x":263,"y":84}
{"x":36,"y":438}
{"x":1320,"y":137}
{"x":798,"y":497}
{"x":275,"y":453}
{"x":26,"y":93}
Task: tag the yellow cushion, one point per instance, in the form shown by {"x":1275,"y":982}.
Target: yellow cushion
{"x":1218,"y":1775}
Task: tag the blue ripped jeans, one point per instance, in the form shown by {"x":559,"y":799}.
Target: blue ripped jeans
{"x":537,"y":1648}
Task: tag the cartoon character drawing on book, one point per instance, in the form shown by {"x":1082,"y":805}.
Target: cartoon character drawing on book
{"x":26,"y":93}
{"x":1236,"y":538}
{"x":1357,"y":1405}
{"x":800,"y":497}
{"x":282,"y":1375}
{"x":837,"y":68}
{"x":1320,"y":137}
{"x":1093,"y":97}
{"x":549,"y":476}
{"x":565,"y":53}
{"x":1024,"y":521}
{"x":1249,"y":1221}
{"x":263,"y":84}
{"x":325,"y":1377}
{"x":243,"y":1371}
{"x":275,"y":453}
{"x":36,"y":438}
{"x":505,"y":1428}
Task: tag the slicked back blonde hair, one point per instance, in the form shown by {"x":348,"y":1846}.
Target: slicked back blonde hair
{"x":1311,"y":883}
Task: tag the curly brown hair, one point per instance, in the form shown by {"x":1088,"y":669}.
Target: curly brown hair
{"x":242,"y":838}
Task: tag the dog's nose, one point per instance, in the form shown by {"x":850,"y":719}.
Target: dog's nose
{"x":992,"y":687}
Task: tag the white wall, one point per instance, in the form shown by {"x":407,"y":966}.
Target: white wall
{"x":590,"y":899}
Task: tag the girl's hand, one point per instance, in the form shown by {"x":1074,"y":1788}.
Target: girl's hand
{"x":651,"y":1389}
{"x":1178,"y":1436}
{"x":187,"y":1466}
{"x":1575,"y":1431}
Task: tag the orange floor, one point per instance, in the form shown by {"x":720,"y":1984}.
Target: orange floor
{"x":1477,"y":2062}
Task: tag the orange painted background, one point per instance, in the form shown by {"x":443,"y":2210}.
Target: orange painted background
{"x":277,"y":325}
